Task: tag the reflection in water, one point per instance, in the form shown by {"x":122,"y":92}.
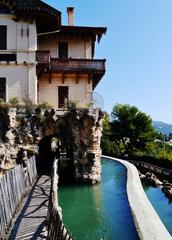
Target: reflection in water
{"x":161,"y":204}
{"x":99,"y":212}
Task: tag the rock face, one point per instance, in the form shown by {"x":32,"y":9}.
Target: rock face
{"x":167,"y":189}
{"x":22,"y":128}
{"x":86,"y":131}
{"x":152,"y":179}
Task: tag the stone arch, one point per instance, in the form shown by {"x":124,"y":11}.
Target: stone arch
{"x":80,"y":132}
{"x":46,"y":158}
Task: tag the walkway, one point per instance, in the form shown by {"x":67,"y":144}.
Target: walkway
{"x":30,"y":222}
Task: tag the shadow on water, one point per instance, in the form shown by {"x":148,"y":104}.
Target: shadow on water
{"x":100,"y":211}
{"x":66,"y":172}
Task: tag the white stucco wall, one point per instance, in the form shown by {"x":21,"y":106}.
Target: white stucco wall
{"x":21,"y":81}
{"x":81,"y":91}
{"x":76,"y":48}
{"x":88,"y":46}
{"x":21,"y":77}
{"x":16,"y":81}
{"x":77,"y":91}
{"x":15,"y":40}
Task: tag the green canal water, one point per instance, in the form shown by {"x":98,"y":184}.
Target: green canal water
{"x":161,"y":204}
{"x":99,"y":212}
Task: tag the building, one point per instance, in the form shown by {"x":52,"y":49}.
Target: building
{"x":42,"y":60}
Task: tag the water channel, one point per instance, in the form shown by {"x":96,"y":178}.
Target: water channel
{"x":99,"y":212}
{"x":162,"y":204}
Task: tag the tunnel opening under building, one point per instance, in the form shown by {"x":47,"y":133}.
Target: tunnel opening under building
{"x":55,"y":147}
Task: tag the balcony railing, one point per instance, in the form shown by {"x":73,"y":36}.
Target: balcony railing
{"x":43,"y":56}
{"x":90,"y":66}
{"x":46,"y":64}
{"x":43,"y":59}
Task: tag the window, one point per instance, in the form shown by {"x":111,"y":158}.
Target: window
{"x":62,"y":95}
{"x":3,"y":88}
{"x":4,"y":9}
{"x":3,"y":37}
{"x":63,"y":50}
{"x":8,"y":57}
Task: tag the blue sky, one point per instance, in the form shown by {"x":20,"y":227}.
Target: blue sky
{"x":138,"y":49}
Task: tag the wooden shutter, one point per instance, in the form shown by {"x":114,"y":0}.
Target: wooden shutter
{"x":3,"y":37}
{"x":62,"y":95}
{"x":3,"y":88}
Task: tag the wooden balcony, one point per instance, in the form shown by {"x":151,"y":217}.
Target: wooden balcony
{"x":43,"y":56}
{"x":93,"y":67}
{"x":90,"y":66}
{"x":43,"y":59}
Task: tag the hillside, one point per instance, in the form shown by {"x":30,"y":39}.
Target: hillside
{"x":164,"y":128}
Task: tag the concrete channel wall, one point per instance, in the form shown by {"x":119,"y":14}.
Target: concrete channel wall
{"x":147,"y":222}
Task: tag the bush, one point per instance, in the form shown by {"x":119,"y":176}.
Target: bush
{"x":4,"y":105}
{"x":28,"y":105}
{"x":14,"y":101}
{"x":71,"y":104}
{"x":44,"y":105}
{"x":27,"y":101}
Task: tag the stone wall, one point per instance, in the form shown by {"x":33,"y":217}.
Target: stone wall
{"x":86,"y":129}
{"x":22,"y":128}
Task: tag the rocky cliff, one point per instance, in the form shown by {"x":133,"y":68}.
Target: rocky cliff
{"x":79,"y":130}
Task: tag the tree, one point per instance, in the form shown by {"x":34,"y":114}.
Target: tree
{"x":170,"y":136}
{"x":131,"y":128}
{"x":108,"y":147}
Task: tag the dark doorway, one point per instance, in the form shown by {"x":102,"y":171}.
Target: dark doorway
{"x":62,"y":96}
{"x":63,"y":50}
{"x":3,"y":88}
{"x":46,"y":156}
{"x":3,"y":37}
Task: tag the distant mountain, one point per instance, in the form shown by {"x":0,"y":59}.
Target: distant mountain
{"x":164,"y":128}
